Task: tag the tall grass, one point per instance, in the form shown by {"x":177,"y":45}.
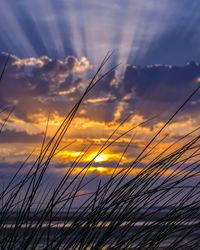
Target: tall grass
{"x":163,"y":196}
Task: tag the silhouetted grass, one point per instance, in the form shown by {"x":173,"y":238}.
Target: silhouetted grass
{"x":167,"y":203}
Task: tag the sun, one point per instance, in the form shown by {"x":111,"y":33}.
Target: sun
{"x":99,"y":158}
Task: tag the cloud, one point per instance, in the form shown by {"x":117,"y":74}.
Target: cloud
{"x":39,"y":86}
{"x":160,"y":89}
{"x":11,"y":136}
{"x":35,"y":84}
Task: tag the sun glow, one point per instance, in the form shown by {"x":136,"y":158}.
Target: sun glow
{"x":86,"y":158}
{"x":91,"y":156}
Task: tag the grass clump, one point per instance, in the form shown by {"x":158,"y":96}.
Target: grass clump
{"x":150,"y":210}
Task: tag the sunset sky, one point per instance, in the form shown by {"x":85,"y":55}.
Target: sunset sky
{"x":55,"y":47}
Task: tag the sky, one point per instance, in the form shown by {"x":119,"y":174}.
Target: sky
{"x":143,"y":32}
{"x":55,"y":47}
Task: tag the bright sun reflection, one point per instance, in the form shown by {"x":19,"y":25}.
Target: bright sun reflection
{"x":108,"y":171}
{"x":97,"y":169}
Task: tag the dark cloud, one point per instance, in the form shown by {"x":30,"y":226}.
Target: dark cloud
{"x":160,"y":89}
{"x":12,"y":136}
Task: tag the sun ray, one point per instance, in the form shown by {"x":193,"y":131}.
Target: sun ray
{"x":19,"y":40}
